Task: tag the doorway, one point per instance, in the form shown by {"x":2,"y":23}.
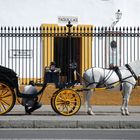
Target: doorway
{"x":62,"y":55}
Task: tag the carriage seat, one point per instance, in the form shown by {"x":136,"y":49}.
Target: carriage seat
{"x":52,"y":77}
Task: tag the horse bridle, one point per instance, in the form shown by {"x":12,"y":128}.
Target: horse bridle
{"x":131,"y":71}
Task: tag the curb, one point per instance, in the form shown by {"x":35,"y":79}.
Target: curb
{"x":70,"y":124}
{"x":106,"y":117}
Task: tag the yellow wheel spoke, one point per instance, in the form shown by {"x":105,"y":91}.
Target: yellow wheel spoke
{"x":5,"y":102}
{"x":2,"y":107}
{"x":5,"y":96}
{"x":63,"y":95}
{"x":73,"y":101}
{"x":3,"y":93}
{"x":59,"y":102}
{"x":67,"y":109}
{"x":62,"y":106}
{"x":72,"y":109}
{"x":61,"y":98}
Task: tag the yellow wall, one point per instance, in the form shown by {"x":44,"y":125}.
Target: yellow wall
{"x":48,"y":44}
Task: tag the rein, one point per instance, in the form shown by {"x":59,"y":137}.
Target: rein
{"x":106,"y":78}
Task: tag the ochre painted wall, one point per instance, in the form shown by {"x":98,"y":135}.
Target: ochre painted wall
{"x":86,"y":44}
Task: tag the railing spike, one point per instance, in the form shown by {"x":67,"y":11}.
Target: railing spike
{"x":74,"y":28}
{"x":120,"y":28}
{"x":8,"y":28}
{"x":126,"y":28}
{"x":54,"y":28}
{"x":112,"y":28}
{"x":43,"y":28}
{"x":102,"y":28}
{"x":26,"y":28}
{"x":65,"y":28}
{"x":84,"y":28}
{"x":134,"y":28}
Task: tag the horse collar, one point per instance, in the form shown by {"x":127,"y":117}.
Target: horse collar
{"x":131,"y":71}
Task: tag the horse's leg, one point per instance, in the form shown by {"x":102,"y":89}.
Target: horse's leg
{"x":126,"y":95}
{"x":122,"y":108}
{"x":88,"y":104}
{"x":123,"y":102}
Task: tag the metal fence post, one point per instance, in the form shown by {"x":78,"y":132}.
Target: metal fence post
{"x":69,"y":75}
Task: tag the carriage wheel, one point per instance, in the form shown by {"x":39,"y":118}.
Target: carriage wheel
{"x":67,"y":102}
{"x":53,"y":101}
{"x":7,"y":98}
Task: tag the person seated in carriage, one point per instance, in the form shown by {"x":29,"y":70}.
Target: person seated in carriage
{"x":52,"y":74}
{"x":52,"y":67}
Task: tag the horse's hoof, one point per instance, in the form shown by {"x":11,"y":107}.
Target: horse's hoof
{"x":126,"y":112}
{"x":122,"y":112}
{"x":90,"y":112}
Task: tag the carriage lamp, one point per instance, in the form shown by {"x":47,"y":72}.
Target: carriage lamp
{"x":118,"y":16}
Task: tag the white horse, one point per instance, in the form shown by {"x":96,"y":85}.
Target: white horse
{"x":99,"y":77}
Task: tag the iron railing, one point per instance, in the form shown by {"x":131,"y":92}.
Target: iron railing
{"x":22,"y":48}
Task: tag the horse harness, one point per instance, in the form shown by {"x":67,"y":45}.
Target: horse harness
{"x":131,"y":71}
{"x":117,"y":71}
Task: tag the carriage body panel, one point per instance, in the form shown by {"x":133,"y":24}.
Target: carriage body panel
{"x":8,"y":76}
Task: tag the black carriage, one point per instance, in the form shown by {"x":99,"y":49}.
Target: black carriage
{"x":65,"y":101}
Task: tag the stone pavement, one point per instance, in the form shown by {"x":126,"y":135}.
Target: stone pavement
{"x":45,"y":117}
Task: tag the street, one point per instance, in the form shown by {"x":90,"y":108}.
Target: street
{"x":133,"y":134}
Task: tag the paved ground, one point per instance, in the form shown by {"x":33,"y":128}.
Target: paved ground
{"x":45,"y":117}
{"x":68,"y":134}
